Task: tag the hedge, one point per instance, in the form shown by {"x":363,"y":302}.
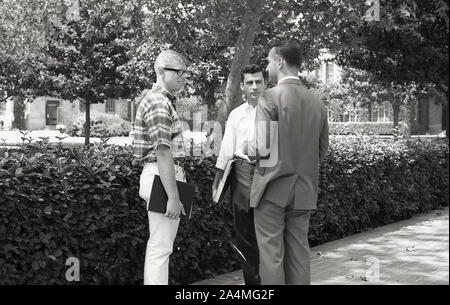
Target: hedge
{"x":102,"y":125}
{"x":58,"y":202}
{"x":366,"y":183}
{"x":362,"y":128}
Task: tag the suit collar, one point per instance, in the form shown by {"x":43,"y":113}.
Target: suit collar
{"x":290,"y":80}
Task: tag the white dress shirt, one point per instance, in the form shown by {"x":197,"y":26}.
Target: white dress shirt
{"x":239,"y":128}
{"x":252,"y":144}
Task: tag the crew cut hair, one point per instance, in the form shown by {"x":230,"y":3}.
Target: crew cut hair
{"x":167,"y":57}
{"x":290,"y":51}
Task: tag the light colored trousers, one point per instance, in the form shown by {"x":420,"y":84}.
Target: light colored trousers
{"x":163,"y":230}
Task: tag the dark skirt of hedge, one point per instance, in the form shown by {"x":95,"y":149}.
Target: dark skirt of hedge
{"x":61,"y":203}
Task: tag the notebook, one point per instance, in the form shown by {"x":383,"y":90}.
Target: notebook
{"x":224,"y":183}
{"x":158,"y":196}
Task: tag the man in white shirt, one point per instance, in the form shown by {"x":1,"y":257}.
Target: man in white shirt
{"x":240,"y":129}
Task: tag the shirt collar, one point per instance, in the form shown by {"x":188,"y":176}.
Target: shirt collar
{"x":169,"y":95}
{"x":288,"y":77}
{"x":248,"y":106}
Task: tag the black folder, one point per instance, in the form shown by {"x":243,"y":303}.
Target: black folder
{"x":158,"y":196}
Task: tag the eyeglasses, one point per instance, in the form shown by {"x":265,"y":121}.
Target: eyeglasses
{"x":179,"y":72}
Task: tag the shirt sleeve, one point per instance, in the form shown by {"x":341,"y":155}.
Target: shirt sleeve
{"x":159,"y":121}
{"x":228,"y":145}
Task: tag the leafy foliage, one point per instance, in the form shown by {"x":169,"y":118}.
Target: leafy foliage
{"x":58,"y":202}
{"x":110,"y":50}
{"x":364,"y":128}
{"x":420,"y":30}
{"x":207,"y":33}
{"x":407,"y":46}
{"x":365,"y":183}
{"x":83,"y":55}
{"x":362,"y":90}
{"x":102,"y":125}
{"x":356,"y":90}
{"x":22,"y":38}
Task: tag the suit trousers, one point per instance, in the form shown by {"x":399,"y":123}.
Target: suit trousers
{"x":162,"y":231}
{"x":244,"y":229}
{"x":282,"y":235}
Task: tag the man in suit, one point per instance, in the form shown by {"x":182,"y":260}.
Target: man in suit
{"x":285,"y":183}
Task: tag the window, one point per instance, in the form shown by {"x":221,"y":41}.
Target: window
{"x":110,"y":106}
{"x":383,"y":114}
{"x":380,"y":114}
{"x":329,"y":68}
{"x":346,"y":117}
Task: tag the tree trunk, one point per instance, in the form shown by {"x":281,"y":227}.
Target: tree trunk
{"x":209,"y":96}
{"x":87,"y":125}
{"x":408,"y":120}
{"x":19,"y":112}
{"x":445,"y":106}
{"x":370,"y":112}
{"x":446,"y":118}
{"x":396,"y":108}
{"x":241,"y":58}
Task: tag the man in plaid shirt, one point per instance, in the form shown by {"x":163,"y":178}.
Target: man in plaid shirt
{"x":158,"y":141}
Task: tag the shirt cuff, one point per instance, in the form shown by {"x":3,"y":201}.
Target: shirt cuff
{"x":221,"y":163}
{"x":161,"y":141}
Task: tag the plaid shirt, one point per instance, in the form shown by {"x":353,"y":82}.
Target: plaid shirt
{"x":157,"y":123}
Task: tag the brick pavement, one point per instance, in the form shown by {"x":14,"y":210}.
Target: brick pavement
{"x":409,"y":252}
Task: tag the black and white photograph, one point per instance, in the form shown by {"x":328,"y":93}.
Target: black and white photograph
{"x":224,"y":148}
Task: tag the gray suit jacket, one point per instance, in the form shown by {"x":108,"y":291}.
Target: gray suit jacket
{"x":300,"y":143}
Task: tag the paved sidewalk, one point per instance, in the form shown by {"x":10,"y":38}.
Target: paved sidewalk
{"x":409,"y":252}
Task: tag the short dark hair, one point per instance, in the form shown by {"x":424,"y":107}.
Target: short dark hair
{"x":251,"y":69}
{"x":290,"y":51}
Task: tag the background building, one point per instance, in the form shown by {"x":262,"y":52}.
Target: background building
{"x":6,"y":114}
{"x":49,"y":112}
{"x":426,"y":115}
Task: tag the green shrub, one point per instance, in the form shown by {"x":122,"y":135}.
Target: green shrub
{"x":361,"y":128}
{"x":190,"y":105}
{"x":366,"y":183}
{"x":102,"y":125}
{"x":57,"y":203}
{"x":83,"y":203}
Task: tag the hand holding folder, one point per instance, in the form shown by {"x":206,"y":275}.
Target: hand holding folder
{"x":224,"y":183}
{"x":158,"y":196}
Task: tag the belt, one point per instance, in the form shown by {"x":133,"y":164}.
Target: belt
{"x":244,"y":162}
